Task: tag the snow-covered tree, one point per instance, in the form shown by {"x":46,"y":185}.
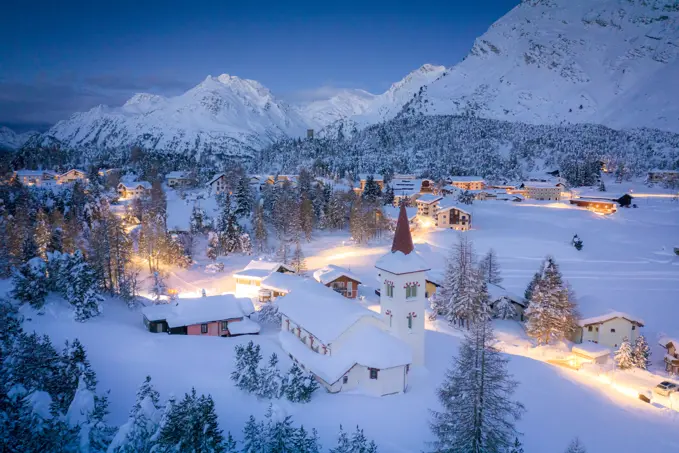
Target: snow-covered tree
{"x":504,"y":309}
{"x":576,"y":447}
{"x":260,"y":231}
{"x":477,"y":412}
{"x":465,"y":197}
{"x":83,"y":292}
{"x":490,"y":268}
{"x":371,"y":192}
{"x":158,"y":287}
{"x":642,"y":353}
{"x":298,"y":262}
{"x":254,"y":437}
{"x":280,"y":435}
{"x":100,"y":433}
{"x":304,"y":442}
{"x":624,"y":356}
{"x":552,"y":314}
{"x":517,"y":447}
{"x":197,"y":221}
{"x":388,"y":196}
{"x":528,"y":294}
{"x":283,"y":253}
{"x":306,"y":218}
{"x":244,"y":197}
{"x":30,"y":285}
{"x":269,"y":314}
{"x":343,"y":442}
{"x":246,"y":371}
{"x":299,"y":386}
{"x":360,"y":444}
{"x":42,"y":234}
{"x":270,"y":380}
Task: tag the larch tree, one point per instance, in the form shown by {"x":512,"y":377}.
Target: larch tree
{"x":477,"y":410}
{"x":490,"y":268}
{"x":298,"y":261}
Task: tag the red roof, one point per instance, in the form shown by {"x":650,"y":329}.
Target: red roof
{"x":403,"y":241}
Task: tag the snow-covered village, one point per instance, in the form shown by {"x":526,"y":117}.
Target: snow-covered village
{"x":482,"y":259}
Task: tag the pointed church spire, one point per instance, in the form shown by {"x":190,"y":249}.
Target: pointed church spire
{"x":403,"y":241}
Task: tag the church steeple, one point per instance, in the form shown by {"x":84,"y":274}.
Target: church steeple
{"x":403,"y":241}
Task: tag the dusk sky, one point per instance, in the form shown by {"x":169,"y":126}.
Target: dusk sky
{"x":57,"y":58}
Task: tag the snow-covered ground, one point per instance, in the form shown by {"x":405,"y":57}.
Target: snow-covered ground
{"x":626,"y":264}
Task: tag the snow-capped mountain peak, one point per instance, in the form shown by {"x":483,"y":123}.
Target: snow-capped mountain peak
{"x":11,"y":140}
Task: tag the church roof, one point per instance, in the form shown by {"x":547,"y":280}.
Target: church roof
{"x":403,"y":241}
{"x":402,"y":259}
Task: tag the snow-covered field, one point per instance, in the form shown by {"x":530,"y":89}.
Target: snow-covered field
{"x":626,"y":264}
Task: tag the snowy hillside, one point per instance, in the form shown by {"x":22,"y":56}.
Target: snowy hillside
{"x":224,"y":113}
{"x":363,"y":108}
{"x":11,"y":140}
{"x":612,"y":62}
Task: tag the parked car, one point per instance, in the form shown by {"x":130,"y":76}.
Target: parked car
{"x":665,"y":388}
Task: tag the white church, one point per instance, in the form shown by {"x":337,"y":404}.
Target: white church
{"x":350,"y":348}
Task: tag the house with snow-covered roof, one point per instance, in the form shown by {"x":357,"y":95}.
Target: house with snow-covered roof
{"x":178,"y":178}
{"x":72,"y":176}
{"x":279,"y":284}
{"x":38,"y":178}
{"x":350,"y":348}
{"x":391,"y":216}
{"x":249,"y":279}
{"x":671,"y":359}
{"x":608,"y":329}
{"x":499,"y":294}
{"x":454,"y":216}
{"x":467,"y":182}
{"x":223,"y":316}
{"x":539,"y":190}
{"x":363,"y":179}
{"x":428,"y":206}
{"x":134,"y":189}
{"x":339,"y":279}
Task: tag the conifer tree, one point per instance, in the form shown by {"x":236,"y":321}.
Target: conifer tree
{"x":281,"y":434}
{"x":100,"y":433}
{"x":82,"y":291}
{"x":528,"y":294}
{"x":5,"y":254}
{"x":504,"y":309}
{"x":477,"y":413}
{"x":306,"y":218}
{"x":270,"y":380}
{"x":197,"y":218}
{"x":490,"y":268}
{"x":244,"y":198}
{"x":517,"y":447}
{"x":42,"y":234}
{"x":624,"y":356}
{"x":552,"y":314}
{"x":260,"y":229}
{"x":30,"y":284}
{"x":303,"y":442}
{"x":254,"y":440}
{"x":343,"y":442}
{"x":371,"y":192}
{"x":602,"y":186}
{"x":576,"y":447}
{"x":642,"y":353}
{"x":246,"y":371}
{"x":298,"y":262}
{"x":299,"y":386}
{"x":388,"y":196}
{"x":230,"y":445}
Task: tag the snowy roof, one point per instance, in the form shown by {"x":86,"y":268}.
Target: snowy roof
{"x":448,"y":204}
{"x":268,"y":265}
{"x":331,"y":273}
{"x":497,"y":292}
{"x":451,"y":188}
{"x":590,"y":195}
{"x":367,"y":345}
{"x":392,"y":212}
{"x":664,"y":341}
{"x":400,"y":263}
{"x":135,"y":184}
{"x":253,"y":273}
{"x":435,"y":276}
{"x":187,"y":312}
{"x":284,"y":283}
{"x":590,"y":349}
{"x":592,"y":200}
{"x":429,"y":198}
{"x":321,"y":311}
{"x":465,"y":178}
{"x":608,"y":317}
{"x":243,"y":327}
{"x":157,"y":312}
{"x":540,"y":184}
{"x":30,"y":172}
{"x":178,"y":175}
{"x":215,"y":178}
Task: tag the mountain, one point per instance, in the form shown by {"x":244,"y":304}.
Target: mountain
{"x":223,"y":114}
{"x":611,"y":62}
{"x":11,"y":140}
{"x":364,"y":108}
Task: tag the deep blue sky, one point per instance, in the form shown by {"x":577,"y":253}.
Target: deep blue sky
{"x":61,"y":57}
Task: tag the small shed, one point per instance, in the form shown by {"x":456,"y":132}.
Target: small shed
{"x":590,"y":353}
{"x":497,"y":293}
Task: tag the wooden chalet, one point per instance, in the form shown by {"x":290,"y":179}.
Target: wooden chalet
{"x":671,"y":359}
{"x":598,"y":205}
{"x":340,"y":279}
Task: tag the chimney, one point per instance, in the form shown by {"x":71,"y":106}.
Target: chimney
{"x":403,"y":241}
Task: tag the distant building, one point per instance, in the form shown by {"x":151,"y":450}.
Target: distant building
{"x":663,"y":175}
{"x":72,"y":176}
{"x":177,"y":179}
{"x":134,"y":189}
{"x":537,"y":190}
{"x":391,"y":215}
{"x":340,"y":279}
{"x":467,"y":182}
{"x":223,"y":316}
{"x":218,"y":184}
{"x":428,"y":206}
{"x":249,"y":280}
{"x":453,"y":216}
{"x":671,"y":359}
{"x":609,"y":329}
{"x":38,"y":178}
{"x":363,"y":179}
{"x":601,"y":206}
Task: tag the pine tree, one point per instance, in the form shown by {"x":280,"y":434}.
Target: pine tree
{"x":304,"y":442}
{"x":371,"y":192}
{"x":299,"y":386}
{"x":270,"y":380}
{"x":260,"y":230}
{"x":5,"y":253}
{"x":298,"y":262}
{"x":42,"y":234}
{"x":244,"y":198}
{"x":281,"y":435}
{"x":576,"y":447}
{"x":490,"y":268}
{"x":212,"y":251}
{"x":306,"y":218}
{"x":641,"y":353}
{"x":30,"y":284}
{"x":82,"y":292}
{"x":552,"y":314}
{"x":254,"y":440}
{"x":388,"y":196}
{"x":230,"y":445}
{"x":100,"y":434}
{"x":159,"y":287}
{"x":517,"y":447}
{"x":246,"y":371}
{"x":74,"y":368}
{"x":477,"y":413}
{"x":528,"y":294}
{"x":504,"y":309}
{"x":283,"y":253}
{"x":624,"y":356}
{"x":343,"y":443}
{"x":197,"y":219}
{"x":465,"y":197}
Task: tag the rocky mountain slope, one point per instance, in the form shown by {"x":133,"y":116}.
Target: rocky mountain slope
{"x":611,"y":62}
{"x":11,"y":140}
